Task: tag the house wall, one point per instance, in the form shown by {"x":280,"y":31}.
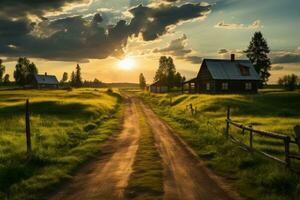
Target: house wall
{"x":234,"y":86}
{"x":159,"y":89}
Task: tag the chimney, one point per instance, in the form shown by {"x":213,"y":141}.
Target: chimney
{"x":45,"y":73}
{"x":232,"y":57}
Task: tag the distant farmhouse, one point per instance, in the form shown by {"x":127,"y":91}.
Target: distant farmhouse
{"x":225,"y":76}
{"x":158,"y":87}
{"x":45,"y":81}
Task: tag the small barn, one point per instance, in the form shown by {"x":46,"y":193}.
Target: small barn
{"x":225,"y":76}
{"x":158,"y":87}
{"x":45,"y":81}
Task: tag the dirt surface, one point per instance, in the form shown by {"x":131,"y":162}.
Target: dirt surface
{"x":185,"y":178}
{"x":107,"y":177}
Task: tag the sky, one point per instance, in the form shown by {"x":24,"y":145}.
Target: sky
{"x":101,"y":34}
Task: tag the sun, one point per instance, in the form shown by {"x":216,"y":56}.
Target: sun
{"x":127,"y":63}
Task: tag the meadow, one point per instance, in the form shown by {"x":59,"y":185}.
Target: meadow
{"x":67,"y":127}
{"x":255,"y":177}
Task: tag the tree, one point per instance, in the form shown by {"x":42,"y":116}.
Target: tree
{"x":6,"y":79}
{"x":78,"y":79}
{"x":72,"y":79}
{"x":257,"y":53}
{"x":289,"y":82}
{"x":64,"y":77}
{"x":25,"y":71}
{"x":166,"y":73}
{"x":2,"y":70}
{"x":142,"y":81}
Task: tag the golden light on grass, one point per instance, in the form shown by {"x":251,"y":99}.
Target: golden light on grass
{"x":127,"y":63}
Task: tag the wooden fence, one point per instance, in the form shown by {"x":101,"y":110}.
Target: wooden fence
{"x":252,"y":132}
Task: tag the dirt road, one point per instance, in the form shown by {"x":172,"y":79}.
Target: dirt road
{"x":107,"y":177}
{"x":185,"y":178}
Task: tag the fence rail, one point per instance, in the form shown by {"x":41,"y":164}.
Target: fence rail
{"x":252,"y":132}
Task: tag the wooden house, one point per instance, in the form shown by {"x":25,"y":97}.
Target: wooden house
{"x":225,"y":76}
{"x":158,"y":87}
{"x":45,"y":81}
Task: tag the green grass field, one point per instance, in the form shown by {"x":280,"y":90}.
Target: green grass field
{"x":254,"y":176}
{"x":67,"y":127}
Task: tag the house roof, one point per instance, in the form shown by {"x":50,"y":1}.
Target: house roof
{"x":46,"y":79}
{"x":230,"y":70}
{"x":158,"y":83}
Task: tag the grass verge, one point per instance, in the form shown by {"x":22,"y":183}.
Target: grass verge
{"x":146,"y":181}
{"x":253,"y":176}
{"x":68,"y":128}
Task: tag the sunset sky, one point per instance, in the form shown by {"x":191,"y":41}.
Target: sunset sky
{"x":99,"y":34}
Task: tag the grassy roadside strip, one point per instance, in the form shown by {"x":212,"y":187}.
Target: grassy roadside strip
{"x":146,"y":181}
{"x":59,"y":170}
{"x":253,"y":176}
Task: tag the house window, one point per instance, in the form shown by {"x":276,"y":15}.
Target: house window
{"x":224,"y":86}
{"x":207,"y":86}
{"x":248,"y":86}
{"x":245,"y":71}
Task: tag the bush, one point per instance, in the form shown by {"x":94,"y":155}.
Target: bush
{"x":289,"y":82}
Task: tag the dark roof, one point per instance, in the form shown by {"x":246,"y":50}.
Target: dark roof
{"x":158,"y":84}
{"x":191,"y":80}
{"x":230,"y":70}
{"x":46,"y":79}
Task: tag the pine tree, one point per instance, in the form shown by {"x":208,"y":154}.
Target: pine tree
{"x":64,"y":77}
{"x":142,"y":81}
{"x":78,"y":79}
{"x":2,"y":70}
{"x":72,"y":79}
{"x":257,"y":53}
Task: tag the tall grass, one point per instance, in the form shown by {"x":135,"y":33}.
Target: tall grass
{"x":254,"y":176}
{"x":67,"y":128}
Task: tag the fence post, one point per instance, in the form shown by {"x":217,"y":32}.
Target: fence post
{"x":27,"y":122}
{"x":287,"y":150}
{"x":251,"y":138}
{"x":227,"y":122}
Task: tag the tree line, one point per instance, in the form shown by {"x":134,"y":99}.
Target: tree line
{"x":166,"y":74}
{"x":25,"y":71}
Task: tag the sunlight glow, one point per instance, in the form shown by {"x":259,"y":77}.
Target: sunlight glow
{"x":127,"y":63}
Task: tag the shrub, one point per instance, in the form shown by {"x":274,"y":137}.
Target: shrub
{"x":289,"y":82}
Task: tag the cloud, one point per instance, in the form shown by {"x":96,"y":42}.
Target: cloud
{"x":178,"y":48}
{"x":255,"y":25}
{"x":78,"y":38}
{"x":286,"y":56}
{"x":19,"y":9}
{"x":222,"y":51}
{"x":154,"y":22}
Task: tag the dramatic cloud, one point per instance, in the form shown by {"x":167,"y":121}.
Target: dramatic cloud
{"x":255,"y":25}
{"x":80,"y":38}
{"x":23,"y":8}
{"x":286,"y":57}
{"x":178,"y":48}
{"x":154,"y":22}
